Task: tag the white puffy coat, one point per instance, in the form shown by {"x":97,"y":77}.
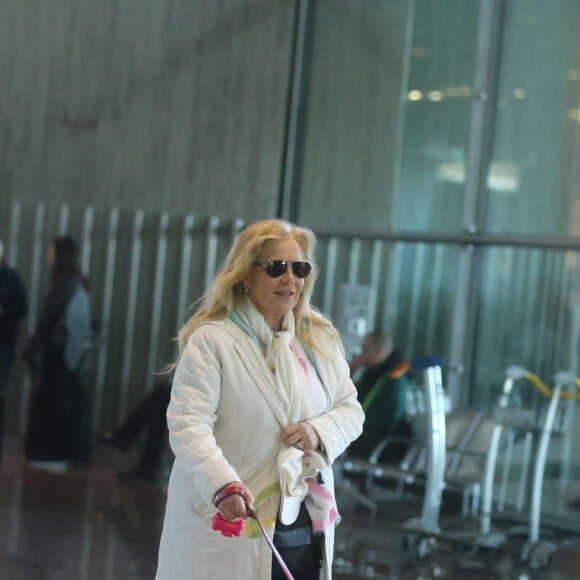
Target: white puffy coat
{"x":224,"y":425}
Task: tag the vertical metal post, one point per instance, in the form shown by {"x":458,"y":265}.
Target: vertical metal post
{"x":34,"y":300}
{"x":63,"y":219}
{"x":87,"y":236}
{"x":489,"y":476}
{"x":401,"y":117}
{"x":435,"y":294}
{"x":211,"y":240}
{"x":159,"y":278}
{"x":462,"y":330}
{"x":376,"y":264}
{"x":237,"y":227}
{"x":375,"y":281}
{"x":390,"y":319}
{"x":506,"y":468}
{"x":436,"y":468}
{"x":416,"y":291}
{"x":485,"y":84}
{"x":354,"y":261}
{"x":570,"y":420}
{"x":12,"y":241}
{"x":131,"y":310}
{"x":328,"y":296}
{"x":561,"y":380}
{"x":526,"y":460}
{"x":109,"y":277}
{"x":288,"y":206}
{"x":184,"y":270}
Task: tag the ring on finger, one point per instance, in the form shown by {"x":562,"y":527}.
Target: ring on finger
{"x":299,"y":444}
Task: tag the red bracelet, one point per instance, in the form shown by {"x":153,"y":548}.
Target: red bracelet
{"x":230,"y":489}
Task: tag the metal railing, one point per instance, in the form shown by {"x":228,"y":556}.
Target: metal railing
{"x":146,"y":269}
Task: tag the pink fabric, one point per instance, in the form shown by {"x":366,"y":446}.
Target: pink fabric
{"x":323,"y":511}
{"x":317,"y":395}
{"x":320,"y":501}
{"x":300,"y":358}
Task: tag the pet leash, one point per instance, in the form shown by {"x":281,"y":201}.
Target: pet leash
{"x":234,"y":528}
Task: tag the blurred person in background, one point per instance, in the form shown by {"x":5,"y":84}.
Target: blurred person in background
{"x":59,"y":421}
{"x":381,"y":377}
{"x":13,"y":307}
{"x":148,"y":417}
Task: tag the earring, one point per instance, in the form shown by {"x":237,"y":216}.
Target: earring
{"x":246,"y":289}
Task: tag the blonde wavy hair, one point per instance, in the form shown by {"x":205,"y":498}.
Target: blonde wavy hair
{"x":227,"y":289}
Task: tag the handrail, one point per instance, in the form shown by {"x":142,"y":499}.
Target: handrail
{"x":461,"y":239}
{"x":547,"y":391}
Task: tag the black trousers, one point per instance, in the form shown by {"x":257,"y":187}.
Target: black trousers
{"x":149,"y":416}
{"x":304,"y":561}
{"x":59,"y":422}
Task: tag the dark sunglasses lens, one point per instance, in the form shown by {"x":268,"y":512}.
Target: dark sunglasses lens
{"x":301,"y":269}
{"x":276,"y":268}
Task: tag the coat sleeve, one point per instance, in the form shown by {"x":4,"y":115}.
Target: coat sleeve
{"x":191,"y":416}
{"x":343,"y":421}
{"x":77,"y":322}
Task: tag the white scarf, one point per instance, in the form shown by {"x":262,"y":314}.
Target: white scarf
{"x":290,"y":382}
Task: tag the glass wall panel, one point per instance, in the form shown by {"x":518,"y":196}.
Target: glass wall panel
{"x":534,"y":178}
{"x":529,"y":315}
{"x":421,"y":294}
{"x":414,"y":284}
{"x":436,"y":114}
{"x":387,"y":114}
{"x":353,"y":107}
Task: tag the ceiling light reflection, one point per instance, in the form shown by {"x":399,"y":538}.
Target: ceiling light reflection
{"x":414,"y":95}
{"x":435,"y":95}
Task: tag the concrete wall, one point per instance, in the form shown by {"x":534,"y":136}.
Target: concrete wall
{"x":160,"y":105}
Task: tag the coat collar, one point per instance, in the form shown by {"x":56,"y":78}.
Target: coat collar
{"x":253,"y":360}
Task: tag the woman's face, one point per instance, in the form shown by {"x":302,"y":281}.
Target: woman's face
{"x":275,"y":297}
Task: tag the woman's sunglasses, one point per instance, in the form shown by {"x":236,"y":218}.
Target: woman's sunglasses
{"x":275,"y":268}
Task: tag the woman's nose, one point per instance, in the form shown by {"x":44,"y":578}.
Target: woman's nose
{"x":289,"y":274}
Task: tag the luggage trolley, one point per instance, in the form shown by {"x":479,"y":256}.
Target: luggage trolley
{"x":424,"y":534}
{"x":536,"y":552}
{"x":506,"y":416}
{"x":509,"y":419}
{"x":420,"y":534}
{"x":359,"y":476}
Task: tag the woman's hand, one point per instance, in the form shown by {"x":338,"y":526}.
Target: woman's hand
{"x":236,"y":504}
{"x":301,"y":435}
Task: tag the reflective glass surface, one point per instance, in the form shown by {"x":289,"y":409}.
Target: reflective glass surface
{"x":435,"y":117}
{"x":528,"y":315}
{"x":534,"y":180}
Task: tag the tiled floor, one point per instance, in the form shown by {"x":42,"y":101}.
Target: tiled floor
{"x":86,"y":525}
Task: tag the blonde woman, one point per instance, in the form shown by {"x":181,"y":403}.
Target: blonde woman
{"x":261,"y":405}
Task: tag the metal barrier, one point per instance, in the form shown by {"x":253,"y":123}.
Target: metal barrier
{"x":509,"y":421}
{"x":536,"y":552}
{"x":436,"y":442}
{"x":145,"y":269}
{"x":417,"y":532}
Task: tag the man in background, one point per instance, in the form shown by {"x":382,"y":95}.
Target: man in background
{"x":380,"y":374}
{"x":149,"y":417}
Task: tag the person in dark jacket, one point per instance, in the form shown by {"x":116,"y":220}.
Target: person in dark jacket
{"x":59,"y":421}
{"x":149,"y":417}
{"x":381,"y":377}
{"x":13,"y":307}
